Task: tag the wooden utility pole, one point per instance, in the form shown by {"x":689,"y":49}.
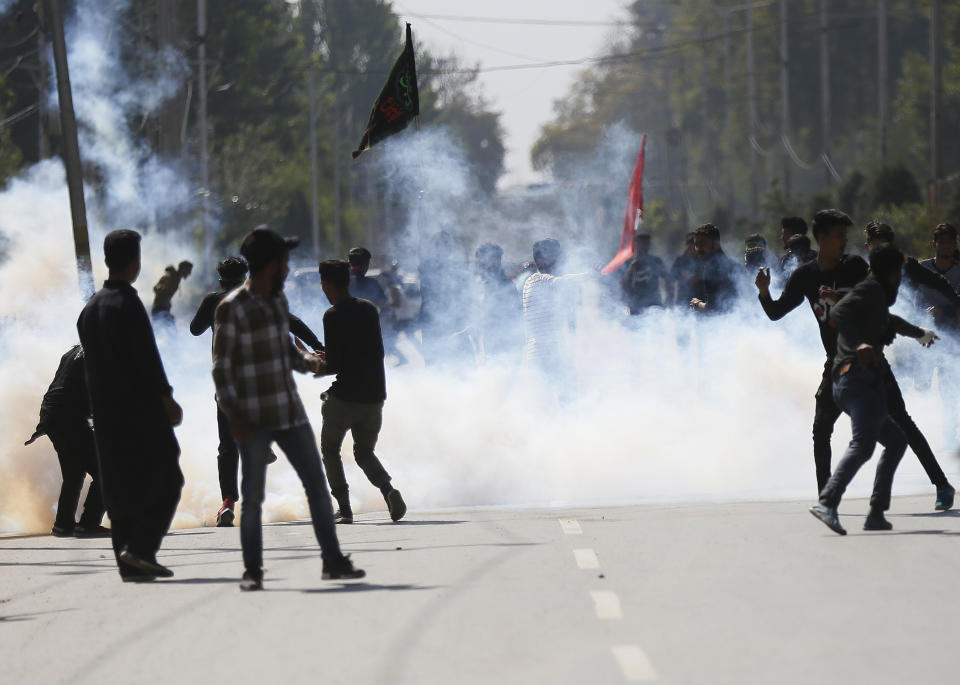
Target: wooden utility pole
{"x":936,"y":101}
{"x":206,"y":230}
{"x":825,"y":85}
{"x":314,"y":172}
{"x":785,"y":91}
{"x":71,"y":152}
{"x":882,"y":78}
{"x":752,"y":110}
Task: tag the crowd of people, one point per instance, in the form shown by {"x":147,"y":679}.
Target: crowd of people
{"x":116,"y":379}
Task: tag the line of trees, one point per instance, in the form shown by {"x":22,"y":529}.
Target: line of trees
{"x":260,"y":55}
{"x":738,"y":139}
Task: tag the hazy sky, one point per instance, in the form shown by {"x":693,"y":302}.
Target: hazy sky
{"x":525,"y":97}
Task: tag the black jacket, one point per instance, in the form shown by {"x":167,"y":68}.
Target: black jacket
{"x":66,"y":399}
{"x":203,"y":320}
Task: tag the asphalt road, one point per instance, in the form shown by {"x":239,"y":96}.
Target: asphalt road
{"x":685,"y":593}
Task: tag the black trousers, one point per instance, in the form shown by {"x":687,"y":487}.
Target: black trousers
{"x":77,"y":455}
{"x":142,"y":531}
{"x":826,"y":415}
{"x":228,"y":459}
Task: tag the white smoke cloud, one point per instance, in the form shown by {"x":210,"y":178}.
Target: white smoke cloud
{"x":665,"y":407}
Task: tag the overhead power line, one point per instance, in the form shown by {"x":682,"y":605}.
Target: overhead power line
{"x":523,"y":22}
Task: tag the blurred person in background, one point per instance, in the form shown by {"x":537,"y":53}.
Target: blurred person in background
{"x":644,"y":275}
{"x":498,"y":327}
{"x":64,"y":418}
{"x":791,"y":226}
{"x":682,"y":274}
{"x":361,"y":285}
{"x":164,"y":291}
{"x":444,"y":288}
{"x":714,"y":285}
{"x":133,"y":413}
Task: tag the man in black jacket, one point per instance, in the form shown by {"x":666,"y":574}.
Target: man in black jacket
{"x":714,"y":286}
{"x":64,"y":415}
{"x":232,"y":272}
{"x":823,"y":282}
{"x":134,"y":414}
{"x":865,"y":326}
{"x":354,"y":402}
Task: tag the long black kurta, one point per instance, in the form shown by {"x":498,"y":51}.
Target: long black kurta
{"x":136,"y":447}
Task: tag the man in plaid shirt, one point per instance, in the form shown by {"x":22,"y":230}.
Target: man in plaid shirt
{"x":253,"y":359}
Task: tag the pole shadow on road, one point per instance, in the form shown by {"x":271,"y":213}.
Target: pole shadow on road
{"x":359,"y":587}
{"x":407,"y":523}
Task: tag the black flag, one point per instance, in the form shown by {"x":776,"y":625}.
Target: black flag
{"x":398,"y":103}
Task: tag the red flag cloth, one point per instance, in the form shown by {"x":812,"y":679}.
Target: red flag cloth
{"x":633,"y":216}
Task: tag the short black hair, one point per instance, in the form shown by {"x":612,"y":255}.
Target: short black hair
{"x":798,"y":243}
{"x":944,"y":230}
{"x":546,"y":251}
{"x":826,"y":219}
{"x":335,"y":271}
{"x":885,"y":258}
{"x":120,"y":248}
{"x":232,"y":270}
{"x":794,"y":224}
{"x":708,"y":230}
{"x":877,"y":230}
{"x":359,"y":256}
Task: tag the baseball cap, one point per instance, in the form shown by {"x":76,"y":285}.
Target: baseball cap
{"x":263,"y":244}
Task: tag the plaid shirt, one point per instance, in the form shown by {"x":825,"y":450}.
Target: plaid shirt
{"x":253,"y":356}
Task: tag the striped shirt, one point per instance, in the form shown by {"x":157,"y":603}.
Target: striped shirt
{"x":543,"y":317}
{"x":253,"y":360}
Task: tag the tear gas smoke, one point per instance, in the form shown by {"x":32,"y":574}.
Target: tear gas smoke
{"x":663,"y":407}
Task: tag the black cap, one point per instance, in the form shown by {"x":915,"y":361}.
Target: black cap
{"x":263,"y":244}
{"x":358,"y":255}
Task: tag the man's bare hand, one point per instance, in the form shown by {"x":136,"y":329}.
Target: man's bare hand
{"x":928,"y":338}
{"x":828,"y":293}
{"x":762,"y":281}
{"x":172,"y":409}
{"x":866,"y":356}
{"x":698,"y":305}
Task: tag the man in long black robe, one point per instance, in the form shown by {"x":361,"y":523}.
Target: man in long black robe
{"x":133,"y":413}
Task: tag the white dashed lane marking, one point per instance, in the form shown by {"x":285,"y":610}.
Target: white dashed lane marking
{"x":634,"y":663}
{"x":571,"y":526}
{"x":586,"y":559}
{"x":606,"y":604}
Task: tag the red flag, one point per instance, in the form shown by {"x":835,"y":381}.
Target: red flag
{"x":634,"y":214}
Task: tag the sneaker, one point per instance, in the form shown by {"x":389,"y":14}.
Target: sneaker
{"x":252,"y":580}
{"x":944,"y":498}
{"x":133,"y":576}
{"x":341,"y":569}
{"x":62,"y":531}
{"x":343,"y":516}
{"x":829,"y":516}
{"x":91,"y":532}
{"x":226,"y":516}
{"x":145,"y":566}
{"x":395,"y":505}
{"x":876,"y":521}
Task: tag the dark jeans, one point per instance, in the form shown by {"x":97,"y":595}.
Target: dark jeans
{"x":142,"y":531}
{"x":77,"y":454}
{"x":363,"y":421}
{"x":300,"y":446}
{"x":228,"y":459}
{"x":861,"y":394}
{"x":827,"y":413}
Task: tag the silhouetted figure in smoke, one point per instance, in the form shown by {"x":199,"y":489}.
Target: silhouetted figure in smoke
{"x":354,"y":402}
{"x":945,"y":315}
{"x":499,"y":320}
{"x":823,"y":282}
{"x":794,"y":255}
{"x":134,"y":414}
{"x":443,"y":291}
{"x":714,"y":283}
{"x":165,"y":289}
{"x":755,"y":253}
{"x":683,"y":273}
{"x":253,"y":360}
{"x":643,"y":277}
{"x":64,"y":415}
{"x":547,"y":320}
{"x":232,"y":272}
{"x":865,"y":325}
{"x":361,"y":285}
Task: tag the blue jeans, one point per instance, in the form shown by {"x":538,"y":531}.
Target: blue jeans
{"x":300,"y":447}
{"x":861,"y":394}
